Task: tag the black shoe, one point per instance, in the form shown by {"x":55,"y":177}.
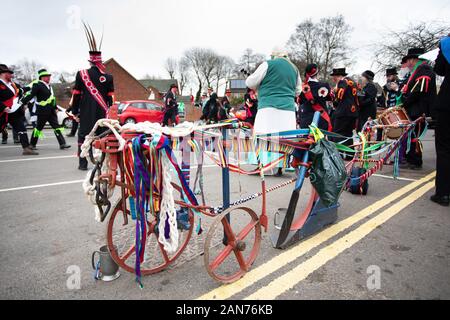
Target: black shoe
{"x":33,"y":147}
{"x":279,"y":173}
{"x":81,"y":168}
{"x":70,"y":135}
{"x":414,"y":167}
{"x":16,"y":142}
{"x":64,"y":146}
{"x":5,"y":142}
{"x":443,"y":201}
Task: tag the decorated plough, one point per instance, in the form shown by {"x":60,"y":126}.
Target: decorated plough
{"x":156,"y":212}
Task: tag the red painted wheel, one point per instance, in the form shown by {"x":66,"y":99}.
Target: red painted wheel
{"x":228,"y":261}
{"x":121,"y":234}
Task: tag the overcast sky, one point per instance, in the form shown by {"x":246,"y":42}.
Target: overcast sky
{"x":140,"y":35}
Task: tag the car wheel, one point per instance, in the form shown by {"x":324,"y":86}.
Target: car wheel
{"x":68,"y":123}
{"x":130,"y":120}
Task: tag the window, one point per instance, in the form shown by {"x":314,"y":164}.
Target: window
{"x":139,"y":105}
{"x":154,"y":107}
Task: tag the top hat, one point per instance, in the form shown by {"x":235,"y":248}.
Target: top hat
{"x":391,"y":72}
{"x":339,"y":72}
{"x":173,"y":86}
{"x":368,"y":74}
{"x":4,"y":69}
{"x":43,"y":73}
{"x":414,"y":53}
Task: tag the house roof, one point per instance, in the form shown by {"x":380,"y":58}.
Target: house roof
{"x":162,"y":85}
{"x":112,"y":60}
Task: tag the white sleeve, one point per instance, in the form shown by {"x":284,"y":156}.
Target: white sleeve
{"x":257,"y":77}
{"x":299,"y":85}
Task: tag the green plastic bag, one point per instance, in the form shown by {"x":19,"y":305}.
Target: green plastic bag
{"x":328,"y":174}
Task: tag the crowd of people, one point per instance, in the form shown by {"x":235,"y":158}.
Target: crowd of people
{"x":277,"y":100}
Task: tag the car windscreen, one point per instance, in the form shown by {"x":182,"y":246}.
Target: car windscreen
{"x":122,"y":107}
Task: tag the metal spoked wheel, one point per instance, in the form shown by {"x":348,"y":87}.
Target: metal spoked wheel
{"x":121,"y":234}
{"x":229,"y":260}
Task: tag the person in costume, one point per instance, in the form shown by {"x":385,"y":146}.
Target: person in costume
{"x":226,"y":101}
{"x":92,"y":95}
{"x":42,"y":92}
{"x":346,"y":104}
{"x":314,"y":97}
{"x":171,"y":106}
{"x":418,"y":97}
{"x":251,"y":106}
{"x":10,"y":92}
{"x":391,"y":90}
{"x":442,"y":140}
{"x":278,"y":82}
{"x":367,"y":98}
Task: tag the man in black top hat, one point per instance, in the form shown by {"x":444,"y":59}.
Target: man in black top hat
{"x":418,"y":98}
{"x":345,"y":114}
{"x":10,"y":92}
{"x":42,"y":91}
{"x":442,"y":68}
{"x":92,"y":95}
{"x":171,"y":106}
{"x":391,"y":90}
{"x":367,"y":99}
{"x":314,"y":97}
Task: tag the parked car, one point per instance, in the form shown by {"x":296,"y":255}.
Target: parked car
{"x":141,"y":111}
{"x":63,"y":118}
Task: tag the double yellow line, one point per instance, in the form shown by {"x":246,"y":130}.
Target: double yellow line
{"x":302,"y":271}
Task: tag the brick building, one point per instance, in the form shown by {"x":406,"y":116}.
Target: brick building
{"x":126,"y":86}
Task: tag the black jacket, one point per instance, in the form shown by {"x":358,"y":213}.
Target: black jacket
{"x":170,"y":102}
{"x":442,"y":68}
{"x":43,"y":94}
{"x":83,"y":103}
{"x":368,"y":102}
{"x":420,"y":93}
{"x":346,"y":100}
{"x":321,"y":92}
{"x":7,"y":96}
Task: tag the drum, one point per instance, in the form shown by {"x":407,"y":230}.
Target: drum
{"x":394,"y":117}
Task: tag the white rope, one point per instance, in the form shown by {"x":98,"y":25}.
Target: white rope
{"x":115,"y":128}
{"x":168,"y":211}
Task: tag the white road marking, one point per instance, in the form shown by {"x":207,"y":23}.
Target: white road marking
{"x":42,"y":185}
{"x":36,"y":159}
{"x":392,"y":178}
{"x":19,"y":146}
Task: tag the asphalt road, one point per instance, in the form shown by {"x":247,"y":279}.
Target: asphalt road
{"x":391,"y":244}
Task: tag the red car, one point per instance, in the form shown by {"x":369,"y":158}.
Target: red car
{"x":141,"y":111}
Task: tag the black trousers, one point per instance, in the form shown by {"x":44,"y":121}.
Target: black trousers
{"x":171,"y":115}
{"x":17,"y":121}
{"x":344,"y":126}
{"x":74,"y":129}
{"x":414,"y":156}
{"x":52,"y":119}
{"x":442,"y":140}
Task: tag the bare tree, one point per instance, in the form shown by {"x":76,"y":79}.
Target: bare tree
{"x":194,"y":58}
{"x":249,"y":61}
{"x":171,"y":66}
{"x":183,"y":73}
{"x":324,"y":43}
{"x":223,"y":70}
{"x":303,"y":45}
{"x":26,"y":70}
{"x":334,"y":36}
{"x":395,"y":43}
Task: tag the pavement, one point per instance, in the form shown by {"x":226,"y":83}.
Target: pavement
{"x":391,"y":244}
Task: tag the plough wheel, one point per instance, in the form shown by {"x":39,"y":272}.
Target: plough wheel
{"x":229,"y":260}
{"x":122,"y":235}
